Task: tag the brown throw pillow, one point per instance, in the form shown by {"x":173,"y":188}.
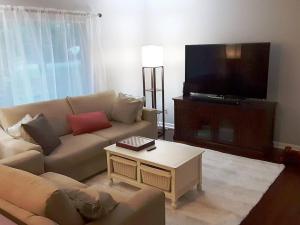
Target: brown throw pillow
{"x":42,"y":133}
{"x":91,"y":203}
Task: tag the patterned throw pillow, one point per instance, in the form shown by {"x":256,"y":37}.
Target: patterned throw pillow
{"x":91,"y":203}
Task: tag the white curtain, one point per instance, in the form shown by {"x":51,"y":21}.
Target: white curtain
{"x":47,"y":55}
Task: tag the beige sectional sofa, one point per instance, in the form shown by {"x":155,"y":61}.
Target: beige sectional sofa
{"x":40,"y":200}
{"x":78,"y":156}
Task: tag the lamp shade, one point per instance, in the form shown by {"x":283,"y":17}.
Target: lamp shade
{"x":152,"y":56}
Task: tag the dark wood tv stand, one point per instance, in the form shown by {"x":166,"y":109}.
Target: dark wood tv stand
{"x":244,"y":128}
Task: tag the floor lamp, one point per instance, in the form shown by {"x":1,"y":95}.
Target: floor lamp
{"x":152,"y":60}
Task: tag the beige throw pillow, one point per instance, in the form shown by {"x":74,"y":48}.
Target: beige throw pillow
{"x":16,"y":129}
{"x":18,"y":132}
{"x":91,"y":203}
{"x":132,"y":98}
{"x":126,"y":109}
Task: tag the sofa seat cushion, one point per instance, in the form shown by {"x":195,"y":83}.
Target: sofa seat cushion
{"x":31,"y":161}
{"x":76,"y":156}
{"x":62,"y":182}
{"x":119,"y":131}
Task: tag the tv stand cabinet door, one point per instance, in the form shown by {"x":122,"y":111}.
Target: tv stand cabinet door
{"x":257,"y":129}
{"x":228,"y":127}
{"x":194,"y":122}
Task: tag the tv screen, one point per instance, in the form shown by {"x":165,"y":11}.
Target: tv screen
{"x":228,"y":69}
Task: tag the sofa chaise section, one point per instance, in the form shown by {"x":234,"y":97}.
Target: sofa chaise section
{"x":31,"y":161}
{"x":20,"y":154}
{"x":78,"y":156}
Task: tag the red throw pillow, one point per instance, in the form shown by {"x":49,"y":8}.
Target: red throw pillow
{"x":88,"y":122}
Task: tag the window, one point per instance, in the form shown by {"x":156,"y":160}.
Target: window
{"x":47,"y":56}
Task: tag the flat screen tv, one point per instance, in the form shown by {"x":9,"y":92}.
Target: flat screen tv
{"x":239,"y":70}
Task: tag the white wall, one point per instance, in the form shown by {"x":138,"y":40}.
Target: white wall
{"x":127,"y":25}
{"x":175,"y":23}
{"x":123,"y":34}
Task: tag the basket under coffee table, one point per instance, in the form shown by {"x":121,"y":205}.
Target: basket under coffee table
{"x":172,"y":167}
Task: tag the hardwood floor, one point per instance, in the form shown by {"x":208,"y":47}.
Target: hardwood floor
{"x":281,"y":203}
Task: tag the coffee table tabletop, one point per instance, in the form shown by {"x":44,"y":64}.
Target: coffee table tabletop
{"x":167,"y":154}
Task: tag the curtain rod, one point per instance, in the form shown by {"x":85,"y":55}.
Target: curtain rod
{"x":50,"y":10}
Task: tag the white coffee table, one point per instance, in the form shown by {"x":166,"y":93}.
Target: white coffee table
{"x":179,"y":164}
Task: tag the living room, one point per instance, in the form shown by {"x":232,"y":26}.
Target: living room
{"x":65,"y":62}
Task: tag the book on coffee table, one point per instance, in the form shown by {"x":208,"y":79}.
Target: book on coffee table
{"x":136,"y":143}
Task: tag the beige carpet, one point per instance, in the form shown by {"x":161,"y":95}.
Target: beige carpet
{"x":232,"y":186}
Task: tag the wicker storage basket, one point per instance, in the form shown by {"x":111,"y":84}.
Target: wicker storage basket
{"x":124,"y":167}
{"x":156,"y":177}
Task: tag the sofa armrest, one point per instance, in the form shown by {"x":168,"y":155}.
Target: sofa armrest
{"x":147,"y":207}
{"x":31,"y":161}
{"x":150,"y":115}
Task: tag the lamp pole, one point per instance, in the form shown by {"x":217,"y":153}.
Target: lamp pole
{"x":152,"y":59}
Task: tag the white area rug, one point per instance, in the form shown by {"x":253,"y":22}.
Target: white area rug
{"x":232,"y":186}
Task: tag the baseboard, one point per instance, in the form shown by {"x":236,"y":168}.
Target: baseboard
{"x":279,"y":145}
{"x":168,"y":125}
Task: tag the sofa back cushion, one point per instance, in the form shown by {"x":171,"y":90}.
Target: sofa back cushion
{"x":55,"y":111}
{"x":102,"y":101}
{"x":126,"y":110}
{"x":36,"y":195}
